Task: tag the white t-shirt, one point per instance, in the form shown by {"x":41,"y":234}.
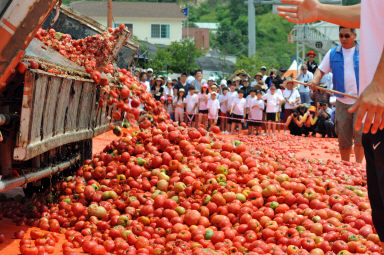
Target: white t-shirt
{"x":239,"y":106}
{"x":190,"y":102}
{"x":349,"y":73}
{"x":202,"y":104}
{"x":371,"y":39}
{"x":292,"y":96}
{"x":179,"y":101}
{"x":167,"y":91}
{"x":255,"y":113}
{"x":213,"y":108}
{"x":327,"y":80}
{"x":305,"y":78}
{"x":273,"y":102}
{"x":148,"y":86}
{"x":223,"y":105}
{"x":231,"y":96}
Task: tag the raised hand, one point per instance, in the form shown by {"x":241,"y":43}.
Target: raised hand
{"x":301,"y":11}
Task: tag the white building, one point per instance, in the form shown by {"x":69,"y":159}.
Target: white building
{"x":157,"y":23}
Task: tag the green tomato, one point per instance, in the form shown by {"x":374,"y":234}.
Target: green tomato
{"x":300,"y":229}
{"x":67,"y":200}
{"x":207,"y":199}
{"x":208,"y":234}
{"x":274,"y":205}
{"x":316,"y":218}
{"x":176,"y":198}
{"x":140,"y":161}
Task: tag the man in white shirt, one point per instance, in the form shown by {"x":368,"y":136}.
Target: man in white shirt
{"x":343,"y":61}
{"x":292,"y":98}
{"x":258,"y":77}
{"x":263,"y":70}
{"x":305,"y":76}
{"x":370,"y":105}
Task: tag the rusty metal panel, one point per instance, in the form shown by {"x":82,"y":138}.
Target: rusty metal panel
{"x":50,"y":106}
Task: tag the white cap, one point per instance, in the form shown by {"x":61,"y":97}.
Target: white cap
{"x":263,"y":67}
{"x":211,"y":78}
{"x":149,"y":70}
{"x":169,"y":80}
{"x":223,"y":82}
{"x":213,"y":93}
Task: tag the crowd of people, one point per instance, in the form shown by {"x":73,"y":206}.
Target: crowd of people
{"x":267,"y":104}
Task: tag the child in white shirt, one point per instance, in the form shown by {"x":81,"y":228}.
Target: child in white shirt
{"x":223,"y":99}
{"x":274,"y":101}
{"x":213,"y":109}
{"x":238,"y":112}
{"x":178,"y":104}
{"x":191,"y":104}
{"x":255,"y":107}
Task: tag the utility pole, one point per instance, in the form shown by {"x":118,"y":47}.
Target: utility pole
{"x":110,"y":13}
{"x":251,"y":29}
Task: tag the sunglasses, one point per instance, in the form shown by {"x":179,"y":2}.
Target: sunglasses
{"x":344,"y":36}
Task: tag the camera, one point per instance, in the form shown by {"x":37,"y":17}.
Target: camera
{"x":295,"y":114}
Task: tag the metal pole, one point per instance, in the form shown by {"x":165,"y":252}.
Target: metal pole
{"x":110,"y":14}
{"x":325,"y":89}
{"x":251,"y":29}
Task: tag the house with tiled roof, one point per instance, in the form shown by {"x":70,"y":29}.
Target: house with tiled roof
{"x":156,"y":23}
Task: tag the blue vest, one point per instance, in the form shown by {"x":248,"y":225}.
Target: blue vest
{"x":337,"y":66}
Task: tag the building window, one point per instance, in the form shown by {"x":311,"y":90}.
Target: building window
{"x":160,"y":31}
{"x":127,"y":25}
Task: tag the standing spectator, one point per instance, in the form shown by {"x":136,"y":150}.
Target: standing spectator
{"x":238,"y":112}
{"x":280,"y":78}
{"x":263,"y":71}
{"x":163,"y":101}
{"x":237,"y":82}
{"x":136,"y":73}
{"x":211,"y":81}
{"x":291,"y":97}
{"x":214,"y":89}
{"x":149,"y":75}
{"x":168,"y":89}
{"x":157,"y":89}
{"x":213,"y":109}
{"x":258,"y":77}
{"x":318,"y":95}
{"x":223,"y":99}
{"x":343,"y":61}
{"x":274,"y":100}
{"x":223,"y":84}
{"x":191,"y":78}
{"x":232,"y":95}
{"x":174,"y":82}
{"x":246,"y":88}
{"x":203,"y":108}
{"x":311,"y":63}
{"x":255,"y":107}
{"x":271,"y":77}
{"x":182,"y":84}
{"x":170,"y":107}
{"x":197,"y":83}
{"x":143,"y":79}
{"x":178,"y":105}
{"x":191,"y":105}
{"x":327,"y":80}
{"x":305,"y":76}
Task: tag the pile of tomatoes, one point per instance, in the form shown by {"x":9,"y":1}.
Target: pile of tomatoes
{"x":171,"y":189}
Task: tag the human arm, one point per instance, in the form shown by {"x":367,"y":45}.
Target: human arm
{"x":309,"y":11}
{"x":371,"y":102}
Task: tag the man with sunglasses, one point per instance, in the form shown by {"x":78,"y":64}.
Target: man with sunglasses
{"x":370,"y":105}
{"x":343,"y":62}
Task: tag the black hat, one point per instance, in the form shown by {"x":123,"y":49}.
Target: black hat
{"x":283,"y":70}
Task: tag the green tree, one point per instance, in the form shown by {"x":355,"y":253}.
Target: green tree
{"x":252,"y":64}
{"x":176,"y":58}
